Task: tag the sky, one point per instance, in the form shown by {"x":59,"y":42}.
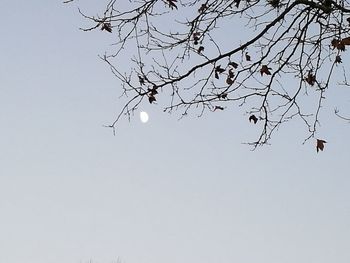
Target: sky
{"x":172,"y":191}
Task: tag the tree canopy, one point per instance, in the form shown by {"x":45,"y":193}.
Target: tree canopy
{"x":273,"y":59}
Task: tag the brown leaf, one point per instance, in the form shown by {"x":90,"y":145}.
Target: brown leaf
{"x":218,"y":108}
{"x":107,"y":27}
{"x":310,"y":79}
{"x":200,"y":49}
{"x":196,"y":36}
{"x":218,"y":70}
{"x":345,"y":41}
{"x":233,"y":64}
{"x":247,"y":56}
{"x":172,"y":3}
{"x":335,"y":43}
{"x":341,"y":46}
{"x":338,"y":59}
{"x":229,"y":81}
{"x":202,"y":8}
{"x":320,"y":145}
{"x":237,"y":2}
{"x":274,"y":3}
{"x":265,"y":69}
{"x":151,"y":99}
{"x":253,"y":118}
{"x":223,"y":96}
{"x":231,"y":74}
{"x":153,"y":91}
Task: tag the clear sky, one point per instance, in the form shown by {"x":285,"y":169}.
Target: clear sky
{"x":167,"y":191}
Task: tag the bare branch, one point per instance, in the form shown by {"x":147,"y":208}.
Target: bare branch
{"x":186,"y":57}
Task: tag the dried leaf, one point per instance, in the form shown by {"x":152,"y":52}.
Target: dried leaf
{"x":338,"y":59}
{"x":202,"y":8}
{"x":335,"y":43}
{"x":218,"y":108}
{"x":223,"y":96}
{"x":107,"y":27}
{"x":253,"y":118}
{"x":310,"y":79}
{"x":229,"y":81}
{"x":231,"y":74}
{"x":200,"y":49}
{"x":341,"y":46}
{"x":265,"y":69}
{"x":151,"y":99}
{"x":172,"y":4}
{"x":247,"y":56}
{"x":196,"y":36}
{"x":153,"y":91}
{"x":345,"y":41}
{"x":237,"y":2}
{"x":320,"y":145}
{"x":219,"y":69}
{"x":274,"y":3}
{"x":233,"y":64}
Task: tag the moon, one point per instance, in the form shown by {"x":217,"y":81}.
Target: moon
{"x":144,"y":116}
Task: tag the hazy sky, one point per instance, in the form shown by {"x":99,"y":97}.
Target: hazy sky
{"x":167,"y":191}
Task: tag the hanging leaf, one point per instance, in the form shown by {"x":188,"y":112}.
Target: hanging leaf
{"x":107,"y":27}
{"x":237,"y":2}
{"x":202,"y":8}
{"x":345,"y":41}
{"x":196,"y":36}
{"x":340,"y":44}
{"x":320,"y":145}
{"x":230,"y":77}
{"x":265,"y":70}
{"x":274,"y":3}
{"x":218,"y":108}
{"x":229,"y":81}
{"x":153,"y":91}
{"x":247,"y":56}
{"x":231,"y":74}
{"x":338,"y":59}
{"x":200,"y":49}
{"x":310,"y":79}
{"x":218,"y":70}
{"x":233,"y":64}
{"x":253,"y":118}
{"x":172,"y":4}
{"x":151,"y":99}
{"x":335,"y":43}
{"x":223,"y":96}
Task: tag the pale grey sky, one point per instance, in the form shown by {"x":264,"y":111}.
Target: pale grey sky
{"x":167,"y":191}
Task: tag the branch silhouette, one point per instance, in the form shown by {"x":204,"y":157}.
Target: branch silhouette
{"x":185,"y":56}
